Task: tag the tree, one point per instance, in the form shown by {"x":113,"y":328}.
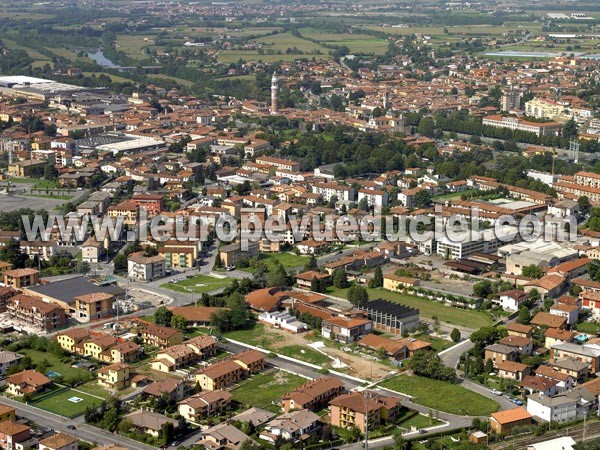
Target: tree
{"x":316,"y":285}
{"x":455,"y":335}
{"x":570,"y":129}
{"x":377,"y":281}
{"x":426,"y":127}
{"x":340,"y":280}
{"x":534,"y":296}
{"x":277,"y":277}
{"x":584,"y":205}
{"x":489,"y":366}
{"x":163,"y":316}
{"x":120,"y":263}
{"x":167,"y":432}
{"x":483,"y":289}
{"x":428,"y":364}
{"x":422,"y":199}
{"x":524,"y":316}
{"x":532,"y":271}
{"x":178,"y":322}
{"x":311,"y":264}
{"x":358,"y":295}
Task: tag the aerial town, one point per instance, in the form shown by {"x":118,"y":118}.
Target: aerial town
{"x":317,"y":225}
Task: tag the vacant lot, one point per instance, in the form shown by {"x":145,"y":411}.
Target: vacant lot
{"x":67,"y":403}
{"x":198,"y":284}
{"x":265,"y":389}
{"x":442,"y":395}
{"x":287,"y":260}
{"x":132,"y":45}
{"x":427,"y":308}
{"x":51,"y":362}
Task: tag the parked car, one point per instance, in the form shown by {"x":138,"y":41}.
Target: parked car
{"x":517,"y":402}
{"x":496,"y":392}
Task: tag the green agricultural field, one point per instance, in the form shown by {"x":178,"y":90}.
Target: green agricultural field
{"x":198,"y":284}
{"x":427,"y":308}
{"x":264,"y":389}
{"x":132,"y":45}
{"x":357,"y":43}
{"x":283,"y":41}
{"x":181,"y":81}
{"x":442,"y":395}
{"x":114,"y":78}
{"x":66,"y":403}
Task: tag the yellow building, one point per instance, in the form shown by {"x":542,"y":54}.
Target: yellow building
{"x":174,"y":358}
{"x":393,"y":282}
{"x":5,"y":267}
{"x":219,"y":375}
{"x":70,"y":338}
{"x":97,"y":346}
{"x":116,"y":376}
{"x":93,"y":306}
{"x":20,"y":278}
{"x":6,"y":413}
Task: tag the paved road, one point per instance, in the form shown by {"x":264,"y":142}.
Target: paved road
{"x":451,"y":356}
{"x":84,"y":432}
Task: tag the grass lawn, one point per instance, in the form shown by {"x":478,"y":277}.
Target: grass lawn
{"x":55,"y":363}
{"x":94,"y":389}
{"x":304,"y":353}
{"x":419,"y":421}
{"x":61,"y":405}
{"x":265,"y":388}
{"x":258,"y":336}
{"x":442,"y":395}
{"x":427,"y":308}
{"x":588,"y":327}
{"x":288,"y":260}
{"x":454,"y":195}
{"x":198,"y":284}
{"x":437,"y":344}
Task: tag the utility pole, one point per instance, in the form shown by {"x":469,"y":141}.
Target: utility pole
{"x":366,"y":419}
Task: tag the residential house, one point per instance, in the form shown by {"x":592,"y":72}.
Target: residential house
{"x":204,"y":404}
{"x":544,"y":319}
{"x":222,"y":436}
{"x":511,"y":300}
{"x":195,"y":316}
{"x":519,"y":329}
{"x":20,"y":278}
{"x":145,"y":268}
{"x":565,"y":381}
{"x":93,"y":306}
{"x":291,"y":427}
{"x":174,"y":358}
{"x":523,"y":345}
{"x":356,"y":410}
{"x":313,"y":395}
{"x":12,"y":434}
{"x":7,"y":413}
{"x":511,"y":370}
{"x":8,"y":359}
{"x":561,"y":408}
{"x":149,"y":422}
{"x":503,"y":422}
{"x":393,"y":282}
{"x":500,"y":353}
{"x":533,"y":384}
{"x":115,"y":376}
{"x":161,"y":337}
{"x":175,"y":389}
{"x":35,"y":312}
{"x":27,"y":382}
{"x":219,"y":375}
{"x":588,"y":353}
{"x":59,"y":441}
{"x":68,"y":339}
{"x":579,"y":370}
{"x":231,"y":254}
{"x":556,"y":336}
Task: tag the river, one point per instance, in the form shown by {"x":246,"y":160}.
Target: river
{"x":101,"y":59}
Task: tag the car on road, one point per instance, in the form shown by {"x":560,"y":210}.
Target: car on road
{"x":421,"y":431}
{"x":517,"y":402}
{"x":230,"y":268}
{"x":71,"y":427}
{"x":496,"y":392}
{"x":175,"y":444}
